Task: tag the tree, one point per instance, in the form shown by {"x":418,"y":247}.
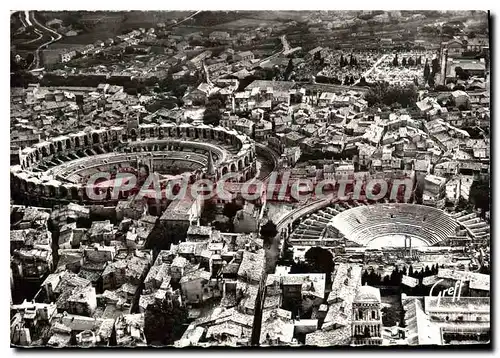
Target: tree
{"x":342,"y":61}
{"x":230,"y":210}
{"x":386,"y":281}
{"x":317,"y":56}
{"x":276,"y":72}
{"x":209,"y":211}
{"x":395,"y":62}
{"x":364,"y":278}
{"x":351,"y":61}
{"x":289,"y":69}
{"x":320,"y":261}
{"x":212,"y":114}
{"x":29,"y":59}
{"x":461,"y":74}
{"x":430,"y":80}
{"x":458,"y":71}
{"x":394,"y":278}
{"x":163,"y":322}
{"x":299,"y":267}
{"x":435,"y":65}
{"x":268,"y":231}
{"x":411,"y":61}
{"x":435,"y":269}
{"x":427,"y":70}
{"x":449,"y":30}
{"x":385,"y":94}
{"x":480,"y":195}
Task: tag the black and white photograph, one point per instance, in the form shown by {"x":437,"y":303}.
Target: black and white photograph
{"x":250,"y":179}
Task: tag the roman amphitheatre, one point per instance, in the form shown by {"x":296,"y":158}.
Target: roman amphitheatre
{"x":56,"y":171}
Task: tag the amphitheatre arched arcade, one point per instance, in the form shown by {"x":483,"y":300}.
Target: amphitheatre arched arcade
{"x":56,"y":170}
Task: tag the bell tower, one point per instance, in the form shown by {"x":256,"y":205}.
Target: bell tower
{"x":366,"y":317}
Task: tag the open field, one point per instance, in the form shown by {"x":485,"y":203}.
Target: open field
{"x":246,"y":22}
{"x":99,"y":25}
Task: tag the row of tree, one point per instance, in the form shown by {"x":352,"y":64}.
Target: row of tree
{"x":213,"y":110}
{"x":407,"y":62}
{"x":384,"y":94}
{"x":353,"y":61}
{"x":373,"y":278}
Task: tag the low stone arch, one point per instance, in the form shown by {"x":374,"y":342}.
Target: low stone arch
{"x":45,"y":152}
{"x":77,"y":142}
{"x":233,"y":168}
{"x":152,"y":132}
{"x":86,"y":140}
{"x":240,"y":165}
{"x":246,"y":160}
{"x":63,"y":191}
{"x":52,"y":148}
{"x":224,"y":170}
{"x":74,"y":193}
{"x":59,"y":146}
{"x":68,"y":143}
{"x":142,"y":133}
{"x":160,"y":133}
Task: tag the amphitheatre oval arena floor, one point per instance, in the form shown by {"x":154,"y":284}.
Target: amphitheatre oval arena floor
{"x":394,"y":241}
{"x":59,"y":168}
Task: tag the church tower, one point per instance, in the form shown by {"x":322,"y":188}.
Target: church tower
{"x":366,"y":317}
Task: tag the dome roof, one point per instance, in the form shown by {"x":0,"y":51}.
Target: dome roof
{"x":368,"y":294}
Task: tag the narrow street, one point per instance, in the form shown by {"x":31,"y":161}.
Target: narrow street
{"x":379,"y":61}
